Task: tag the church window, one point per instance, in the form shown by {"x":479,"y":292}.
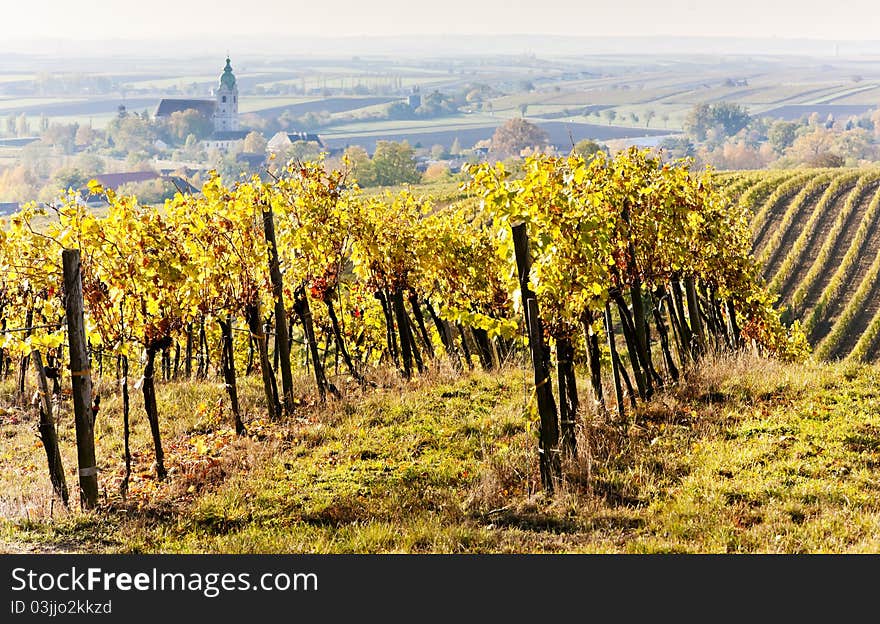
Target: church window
{"x":224,"y":99}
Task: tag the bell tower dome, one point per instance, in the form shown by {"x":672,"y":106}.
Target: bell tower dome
{"x":226,"y":94}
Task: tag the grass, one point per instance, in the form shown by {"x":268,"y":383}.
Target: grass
{"x":748,"y":455}
{"x":386,"y":126}
{"x":253,"y":104}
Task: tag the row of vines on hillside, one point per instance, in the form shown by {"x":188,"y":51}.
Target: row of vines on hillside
{"x":228,"y":281}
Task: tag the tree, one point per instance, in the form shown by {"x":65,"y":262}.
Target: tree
{"x":399,"y":110}
{"x":254,"y":143}
{"x":455,"y":148}
{"x":875,"y":119}
{"x":726,"y":118}
{"x":183,"y":123}
{"x":17,"y":184}
{"x":588,"y":147}
{"x":69,"y":178}
{"x":361,"y":166}
{"x":90,"y":164}
{"x":649,"y":115}
{"x":698,"y":121}
{"x":395,"y":163}
{"x":732,"y":117}
{"x":677,"y":147}
{"x":192,"y":148}
{"x":22,"y":126}
{"x":610,"y":114}
{"x":436,"y":171}
{"x":313,"y":120}
{"x":782,"y":134}
{"x":84,"y":136}
{"x":60,"y":135}
{"x":435,"y":104}
{"x":855,"y":145}
{"x":517,"y":134}
{"x":302,"y":150}
{"x":131,"y":133}
{"x":809,"y":148}
{"x":438,"y":152}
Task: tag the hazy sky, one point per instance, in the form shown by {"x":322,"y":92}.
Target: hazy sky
{"x":115,"y":19}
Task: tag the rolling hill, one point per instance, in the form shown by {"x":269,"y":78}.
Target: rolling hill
{"x":816,"y":235}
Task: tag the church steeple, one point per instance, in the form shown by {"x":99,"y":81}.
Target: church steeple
{"x":226,"y":109}
{"x":227,"y":78}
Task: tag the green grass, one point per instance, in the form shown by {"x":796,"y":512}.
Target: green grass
{"x":251,"y":104}
{"x":7,"y":104}
{"x":183,"y":81}
{"x":748,"y":455}
{"x":386,"y":126}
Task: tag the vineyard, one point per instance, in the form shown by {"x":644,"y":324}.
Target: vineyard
{"x":816,"y":237}
{"x":606,"y":282}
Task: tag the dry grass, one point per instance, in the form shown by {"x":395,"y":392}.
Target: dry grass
{"x":745,"y":455}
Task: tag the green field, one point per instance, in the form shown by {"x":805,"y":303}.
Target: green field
{"x":628,"y":85}
{"x":253,"y":104}
{"x":748,"y":456}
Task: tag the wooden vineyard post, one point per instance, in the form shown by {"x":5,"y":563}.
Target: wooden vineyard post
{"x":281,"y":334}
{"x":81,"y":379}
{"x":615,"y":363}
{"x":304,"y":311}
{"x":551,"y":465}
{"x":47,"y":430}
{"x":734,"y":327}
{"x":693,"y":305}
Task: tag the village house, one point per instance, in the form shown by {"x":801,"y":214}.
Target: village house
{"x":280,"y":141}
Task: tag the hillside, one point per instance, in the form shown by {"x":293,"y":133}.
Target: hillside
{"x":750,"y":455}
{"x":816,"y":235}
{"x":426,"y":433}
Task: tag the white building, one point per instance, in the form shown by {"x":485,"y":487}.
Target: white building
{"x":226,"y":126}
{"x":280,"y":141}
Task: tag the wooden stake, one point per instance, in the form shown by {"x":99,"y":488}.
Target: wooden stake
{"x":81,"y":379}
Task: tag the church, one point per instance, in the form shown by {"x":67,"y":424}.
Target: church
{"x":223,"y":109}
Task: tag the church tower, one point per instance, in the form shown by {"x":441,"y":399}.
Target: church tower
{"x":226,"y":94}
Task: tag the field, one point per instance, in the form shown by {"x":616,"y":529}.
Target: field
{"x":268,"y":108}
{"x":650,"y":94}
{"x":469,"y":130}
{"x":816,"y":235}
{"x":745,"y":454}
{"x":748,"y":456}
{"x":700,"y":420}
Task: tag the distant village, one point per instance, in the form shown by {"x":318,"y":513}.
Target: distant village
{"x":173,"y":147}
